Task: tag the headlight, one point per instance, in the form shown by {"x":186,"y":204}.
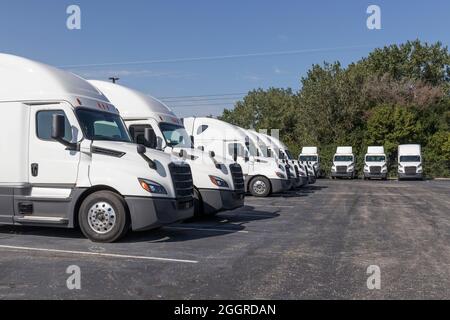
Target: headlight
{"x":280,"y":175}
{"x":219,"y":182}
{"x":152,"y":187}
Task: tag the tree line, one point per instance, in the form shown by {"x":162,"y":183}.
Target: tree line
{"x":398,"y":94}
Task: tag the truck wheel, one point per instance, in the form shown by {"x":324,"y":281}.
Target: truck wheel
{"x":103,"y":217}
{"x":260,"y":187}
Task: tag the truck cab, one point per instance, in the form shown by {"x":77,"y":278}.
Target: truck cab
{"x":218,"y":182}
{"x":282,"y":153}
{"x":375,"y":164}
{"x":263,"y":176}
{"x":311,"y":155}
{"x":71,"y":161}
{"x":265,"y":152}
{"x":344,"y":163}
{"x":410,"y":162}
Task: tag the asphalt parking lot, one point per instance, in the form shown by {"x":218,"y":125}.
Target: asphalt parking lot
{"x":315,"y":243}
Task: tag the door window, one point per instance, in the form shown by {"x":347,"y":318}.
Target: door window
{"x":44,"y":125}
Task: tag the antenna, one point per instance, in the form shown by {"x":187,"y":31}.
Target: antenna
{"x":114,"y":79}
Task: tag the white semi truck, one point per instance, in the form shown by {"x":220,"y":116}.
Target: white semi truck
{"x":303,"y":172}
{"x":69,"y":161}
{"x":344,"y":163}
{"x":262,"y":176}
{"x":410,"y":162}
{"x":264,"y":151}
{"x":375,"y":163}
{"x":311,"y":155}
{"x":218,"y":182}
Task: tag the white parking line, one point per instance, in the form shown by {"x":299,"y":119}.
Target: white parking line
{"x":270,"y":206}
{"x":109,"y":255}
{"x":207,"y":229}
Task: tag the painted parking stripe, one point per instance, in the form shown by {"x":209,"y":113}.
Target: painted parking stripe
{"x":98,"y":254}
{"x":207,"y":229}
{"x":270,"y":206}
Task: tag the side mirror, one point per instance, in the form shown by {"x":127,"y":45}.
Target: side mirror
{"x":59,"y":131}
{"x":235,"y":153}
{"x":150,"y":138}
{"x":192,"y":142}
{"x":58,"y":127}
{"x":212,"y":154}
{"x":269,"y":153}
{"x":141,"y":149}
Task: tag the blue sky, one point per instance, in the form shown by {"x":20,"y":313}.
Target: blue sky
{"x":142,"y":30}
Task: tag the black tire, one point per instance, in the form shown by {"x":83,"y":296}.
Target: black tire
{"x":260,"y":187}
{"x":104,"y":201}
{"x":198,"y":204}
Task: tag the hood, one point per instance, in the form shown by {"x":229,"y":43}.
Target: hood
{"x":129,"y":150}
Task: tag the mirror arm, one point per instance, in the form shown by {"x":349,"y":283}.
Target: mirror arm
{"x":69,"y":145}
{"x":141,"y":150}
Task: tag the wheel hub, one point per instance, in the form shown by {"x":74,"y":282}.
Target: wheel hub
{"x":102,"y":217}
{"x":259,"y":187}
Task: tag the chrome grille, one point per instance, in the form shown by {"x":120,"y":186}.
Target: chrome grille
{"x":297,"y":172}
{"x":341,"y":169}
{"x":410,"y":170}
{"x":375,"y":170}
{"x":182,"y":180}
{"x":238,"y":177}
{"x":288,"y":171}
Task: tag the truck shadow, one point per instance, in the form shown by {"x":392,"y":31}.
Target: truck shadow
{"x":224,"y":223}
{"x":302,"y":192}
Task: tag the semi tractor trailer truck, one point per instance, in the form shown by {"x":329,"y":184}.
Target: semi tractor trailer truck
{"x":375,"y":164}
{"x":262,"y":176}
{"x":344,"y":163}
{"x":69,"y":161}
{"x":218,"y":182}
{"x":410,"y":163}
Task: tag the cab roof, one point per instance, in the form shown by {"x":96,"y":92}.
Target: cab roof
{"x":22,"y":79}
{"x":135,"y":105}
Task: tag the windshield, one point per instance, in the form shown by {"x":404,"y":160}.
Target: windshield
{"x":308,"y":158}
{"x":410,"y":159}
{"x":289,"y":154}
{"x":98,"y":125}
{"x":375,"y":159}
{"x":253,"y":150}
{"x":343,"y":159}
{"x":175,"y":135}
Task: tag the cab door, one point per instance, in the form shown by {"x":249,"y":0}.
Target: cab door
{"x":50,"y":163}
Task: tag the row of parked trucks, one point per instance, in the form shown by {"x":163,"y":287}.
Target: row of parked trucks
{"x":375,"y":162}
{"x":109,"y":159}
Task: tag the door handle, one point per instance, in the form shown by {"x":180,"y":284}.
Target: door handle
{"x":34,"y":169}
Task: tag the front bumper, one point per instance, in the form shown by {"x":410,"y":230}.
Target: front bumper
{"x":149,"y":213}
{"x":342,"y":175}
{"x":304,"y":181}
{"x":404,"y":176}
{"x":375,"y":175}
{"x":221,"y":200}
{"x":280,"y":185}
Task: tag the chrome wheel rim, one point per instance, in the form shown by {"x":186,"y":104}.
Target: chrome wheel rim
{"x":102,"y":217}
{"x":259,"y":187}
